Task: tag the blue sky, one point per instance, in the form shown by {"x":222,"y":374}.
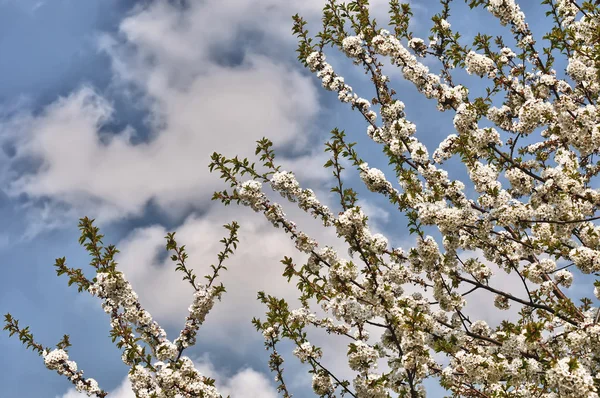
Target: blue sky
{"x":110,"y":109}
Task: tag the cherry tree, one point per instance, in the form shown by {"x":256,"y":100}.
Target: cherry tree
{"x":528,"y":145}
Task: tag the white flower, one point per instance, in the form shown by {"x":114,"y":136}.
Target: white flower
{"x":379,"y":243}
{"x":352,"y":46}
{"x":417,"y":44}
{"x":501,"y":302}
{"x":479,"y":64}
{"x":508,"y":12}
{"x":54,"y":357}
{"x":572,"y":379}
{"x":306,"y":351}
{"x":166,"y":350}
{"x":586,"y":259}
{"x":374,"y":179}
{"x":321,"y":383}
{"x":480,"y":327}
{"x":361,"y":356}
{"x":564,"y":277}
{"x":250,"y":193}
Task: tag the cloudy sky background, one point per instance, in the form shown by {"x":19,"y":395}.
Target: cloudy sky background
{"x":110,"y":109}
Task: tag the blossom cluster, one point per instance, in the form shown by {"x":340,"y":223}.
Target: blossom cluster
{"x":523,"y":219}
{"x":174,"y":375}
{"x":59,"y":360}
{"x":117,"y":293}
{"x":479,"y":64}
{"x":532,"y":208}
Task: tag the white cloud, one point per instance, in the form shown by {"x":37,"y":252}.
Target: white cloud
{"x":174,"y":63}
{"x":249,"y":384}
{"x":197,"y":106}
